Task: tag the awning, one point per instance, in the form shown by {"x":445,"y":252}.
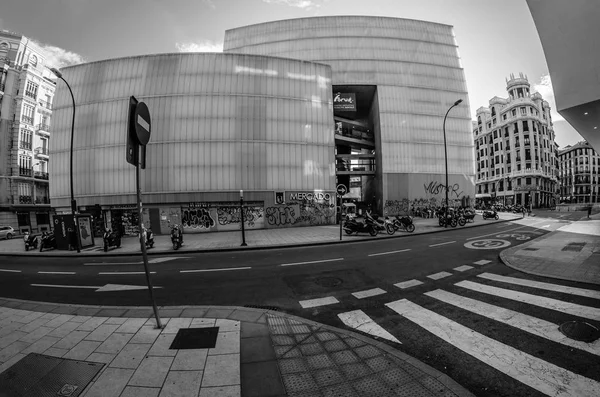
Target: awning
{"x":483,"y":195}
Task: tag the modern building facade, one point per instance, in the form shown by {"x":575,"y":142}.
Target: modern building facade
{"x":277,"y":116}
{"x":569,"y":34}
{"x":579,"y":174}
{"x":515,"y":150}
{"x":26,"y":94}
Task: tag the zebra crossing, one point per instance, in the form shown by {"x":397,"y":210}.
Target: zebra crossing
{"x":510,"y":309}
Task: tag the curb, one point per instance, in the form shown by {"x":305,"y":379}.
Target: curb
{"x":377,"y":342}
{"x":265,"y":247}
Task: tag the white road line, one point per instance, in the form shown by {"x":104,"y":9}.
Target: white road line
{"x":525,"y":368}
{"x":368,"y":293}
{"x":64,"y":286}
{"x":540,"y":301}
{"x":310,"y":262}
{"x":154,"y":260}
{"x":357,"y":319}
{"x":10,"y":271}
{"x":447,"y":242}
{"x":439,"y":275}
{"x":124,"y":273}
{"x":546,"y":286}
{"x":329,"y":300}
{"x":463,"y":268}
{"x":408,"y":284}
{"x":482,"y":262}
{"x":391,"y":252}
{"x":533,"y":325}
{"x":504,"y":231}
{"x":215,"y":270}
{"x":57,"y":273}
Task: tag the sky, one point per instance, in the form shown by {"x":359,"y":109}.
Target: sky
{"x":495,"y":37}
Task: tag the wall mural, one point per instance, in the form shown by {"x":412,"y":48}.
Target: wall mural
{"x":196,"y":219}
{"x":280,"y":215}
{"x":303,"y":210}
{"x":405,"y":205}
{"x":228,"y":217}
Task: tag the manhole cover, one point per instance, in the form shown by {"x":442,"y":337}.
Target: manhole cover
{"x":575,"y":247}
{"x":530,"y":249}
{"x":195,"y":338}
{"x":580,"y":330}
{"x":328,"y":281}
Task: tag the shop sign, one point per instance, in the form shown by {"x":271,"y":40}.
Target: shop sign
{"x":345,"y":102}
{"x":123,"y":207}
{"x":211,"y":204}
{"x":279,"y":198}
{"x":310,"y":196}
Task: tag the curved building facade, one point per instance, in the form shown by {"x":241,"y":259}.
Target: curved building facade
{"x":289,"y":110}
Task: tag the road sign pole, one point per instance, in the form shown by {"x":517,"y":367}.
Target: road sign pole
{"x":341,"y":215}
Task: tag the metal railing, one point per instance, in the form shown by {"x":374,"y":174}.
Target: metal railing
{"x":25,"y":171}
{"x":46,"y":105}
{"x":42,"y":200}
{"x":25,"y":200}
{"x":40,"y":175}
{"x":42,"y":151}
{"x":25,"y":145}
{"x":43,"y":127}
{"x":27,"y":119}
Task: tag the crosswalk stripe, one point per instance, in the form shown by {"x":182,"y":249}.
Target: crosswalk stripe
{"x":357,"y":319}
{"x":328,"y":300}
{"x":526,"y":323}
{"x":439,"y":275}
{"x":463,"y":268}
{"x":408,"y":284}
{"x":482,"y":262}
{"x":540,"y":285}
{"x":368,"y":293}
{"x":547,"y":303}
{"x":532,"y":371}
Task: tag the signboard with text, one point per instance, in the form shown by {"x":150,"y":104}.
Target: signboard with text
{"x":345,"y":102}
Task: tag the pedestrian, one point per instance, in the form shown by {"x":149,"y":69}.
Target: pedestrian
{"x":523,"y":209}
{"x":589,"y":211}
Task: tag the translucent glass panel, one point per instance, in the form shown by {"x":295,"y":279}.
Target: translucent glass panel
{"x":219,"y":122}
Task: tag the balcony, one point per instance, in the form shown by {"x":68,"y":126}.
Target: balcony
{"x":43,"y":129}
{"x":40,"y":175}
{"x":27,"y":119}
{"x":25,"y":171}
{"x":42,"y":152}
{"x":42,"y":200}
{"x":25,"y":200}
{"x":25,"y":145}
{"x":347,"y":164}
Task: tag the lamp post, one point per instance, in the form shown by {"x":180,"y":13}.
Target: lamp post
{"x":446,"y":159}
{"x":242,"y":218}
{"x":73,"y":202}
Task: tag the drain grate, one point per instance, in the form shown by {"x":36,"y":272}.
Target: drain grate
{"x":273,"y":308}
{"x":575,"y":247}
{"x":195,"y":338}
{"x":580,"y":330}
{"x":530,"y":249}
{"x":38,"y":375}
{"x":328,"y":281}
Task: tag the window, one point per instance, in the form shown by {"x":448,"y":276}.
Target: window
{"x":514,"y":112}
{"x":27,"y":116}
{"x":493,"y":111}
{"x":479,"y":120}
{"x":496,"y":146}
{"x":523,"y":111}
{"x":489,"y":125}
{"x":516,"y":127}
{"x":31,"y":89}
{"x":519,"y":182}
{"x":525,"y":126}
{"x":518,"y":169}
{"x":495,"y":135}
{"x":33,"y":60}
{"x":25,"y":139}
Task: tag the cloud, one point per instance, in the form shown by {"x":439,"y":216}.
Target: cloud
{"x":57,"y":57}
{"x":203,"y":46}
{"x":544,"y":87}
{"x":305,"y":4}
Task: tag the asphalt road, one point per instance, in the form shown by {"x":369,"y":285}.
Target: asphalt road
{"x":298,"y":280}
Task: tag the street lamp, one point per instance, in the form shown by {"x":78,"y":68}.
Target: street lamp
{"x":73,"y":203}
{"x":446,"y":158}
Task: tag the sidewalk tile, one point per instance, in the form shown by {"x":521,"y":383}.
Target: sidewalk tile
{"x":300,"y":382}
{"x":169,"y":313}
{"x":11,"y":350}
{"x":92,"y":324}
{"x":116,"y":320}
{"x":139,"y":313}
{"x":151,"y":372}
{"x":65,"y":329}
{"x":161,"y":346}
{"x":181,"y":384}
{"x":222,"y":370}
{"x":412,"y":389}
{"x":256,"y":349}
{"x":104,"y":358}
{"x":110,"y":383}
{"x":175,"y":324}
{"x":87,"y":311}
{"x":227,"y":343}
{"x":190,"y":360}
{"x":193,"y":312}
{"x":6,"y":365}
{"x":56,"y":352}
{"x":72,"y":339}
{"x":80,"y":319}
{"x":261,"y":379}
{"x":245,"y":315}
{"x":30,"y":317}
{"x":82,"y":350}
{"x":130,"y":356}
{"x":218,"y":313}
{"x":35,"y":324}
{"x":41,"y":345}
{"x":65,"y":310}
{"x":146,"y":334}
{"x":226,"y":325}
{"x":251,"y":330}
{"x":10,"y":338}
{"x":134,"y":391}
{"x":111,"y":312}
{"x":131,"y":325}
{"x":221,"y":391}
{"x":101,"y":333}
{"x":114,"y":343}
{"x":203,"y":323}
{"x":58,"y":321}
{"x":37,"y":334}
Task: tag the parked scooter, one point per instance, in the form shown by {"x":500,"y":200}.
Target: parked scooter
{"x":354,"y":225}
{"x":31,"y":241}
{"x":176,"y":237}
{"x":403,"y":223}
{"x":490,"y":214}
{"x":148,"y":238}
{"x":381,"y":226}
{"x":111,"y":239}
{"x":48,"y":240}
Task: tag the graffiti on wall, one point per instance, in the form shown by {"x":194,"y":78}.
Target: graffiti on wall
{"x":231,"y":215}
{"x":196,"y":218}
{"x":315,"y":213}
{"x":432,"y":191}
{"x":280,"y":216}
{"x":436,"y":187}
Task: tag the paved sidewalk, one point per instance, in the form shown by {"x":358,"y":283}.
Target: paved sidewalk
{"x":569,"y":253}
{"x":256,"y":239}
{"x":258,"y":353}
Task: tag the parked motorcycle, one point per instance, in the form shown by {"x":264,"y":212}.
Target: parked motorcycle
{"x":31,"y":241}
{"x":111,"y":239}
{"x":176,"y":237}
{"x":490,"y":215}
{"x":403,"y":223}
{"x":148,"y":238}
{"x":357,"y":226}
{"x":450,"y":219}
{"x":48,"y":240}
{"x":385,"y":226}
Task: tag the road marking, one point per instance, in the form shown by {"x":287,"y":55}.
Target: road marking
{"x":124,"y":273}
{"x":439,"y":275}
{"x":310,"y":262}
{"x":368,"y":293}
{"x":357,"y":319}
{"x":57,"y":273}
{"x":408,"y":284}
{"x":119,"y":287}
{"x":482,"y":262}
{"x":487,"y":244}
{"x":509,"y":230}
{"x":447,"y":242}
{"x":546,"y":226}
{"x":64,"y":286}
{"x":155,"y":260}
{"x":215,"y":270}
{"x":391,"y":252}
{"x":540,"y":285}
{"x":538,"y":374}
{"x":329,"y":300}
{"x":463,"y":268}
{"x":10,"y":271}
{"x":533,"y":325}
{"x":546,"y":303}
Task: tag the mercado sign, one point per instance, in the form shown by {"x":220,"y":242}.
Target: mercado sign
{"x":345,"y":102}
{"x":310,"y":196}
